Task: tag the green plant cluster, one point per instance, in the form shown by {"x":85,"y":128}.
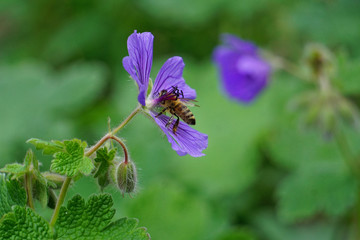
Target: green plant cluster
{"x":79,"y":219}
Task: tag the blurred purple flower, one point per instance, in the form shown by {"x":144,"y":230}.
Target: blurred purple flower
{"x":244,"y":73}
{"x":138,"y":64}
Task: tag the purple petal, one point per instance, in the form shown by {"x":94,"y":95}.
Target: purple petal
{"x":130,"y":68}
{"x":243,"y":75}
{"x":138,"y":64}
{"x":170,"y":71}
{"x":187,"y":91}
{"x":186,"y":141}
{"x":243,"y":47}
{"x":169,"y":76}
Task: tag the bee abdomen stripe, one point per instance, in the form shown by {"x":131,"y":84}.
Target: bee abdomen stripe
{"x":190,"y":121}
{"x":187,"y":112}
{"x":178,"y":105}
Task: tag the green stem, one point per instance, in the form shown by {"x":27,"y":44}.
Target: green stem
{"x":28,"y":188}
{"x":345,"y":150}
{"x":351,"y":161}
{"x":126,"y":155}
{"x":278,"y":62}
{"x":136,"y":110}
{"x":103,"y":140}
{"x":112,"y":133}
{"x":97,"y":145}
{"x":60,"y":200}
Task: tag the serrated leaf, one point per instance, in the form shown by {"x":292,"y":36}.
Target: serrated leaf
{"x":104,"y":158}
{"x":29,"y":158}
{"x":11,"y":193}
{"x":316,"y":188}
{"x":48,"y":147}
{"x":23,"y":224}
{"x":92,"y":220}
{"x":15,"y":169}
{"x":104,"y":155}
{"x":72,"y":161}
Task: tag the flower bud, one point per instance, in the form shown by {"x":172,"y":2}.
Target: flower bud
{"x":126,"y":176}
{"x":319,"y":60}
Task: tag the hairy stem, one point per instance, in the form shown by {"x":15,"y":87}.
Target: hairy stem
{"x":103,"y":140}
{"x":136,"y":110}
{"x":126,"y":155}
{"x":28,"y":188}
{"x":112,"y":133}
{"x":278,"y":62}
{"x":60,"y":200}
{"x":98,"y":144}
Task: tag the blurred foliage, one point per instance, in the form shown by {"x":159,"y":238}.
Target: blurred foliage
{"x":264,"y":175}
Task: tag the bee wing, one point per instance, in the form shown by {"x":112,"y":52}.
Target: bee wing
{"x":189,"y":102}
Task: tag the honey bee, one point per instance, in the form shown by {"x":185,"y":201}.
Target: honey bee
{"x":177,"y":107}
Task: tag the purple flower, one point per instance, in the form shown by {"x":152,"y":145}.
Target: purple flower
{"x":169,"y":85}
{"x":244,"y":73}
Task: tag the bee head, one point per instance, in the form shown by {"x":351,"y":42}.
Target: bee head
{"x":177,"y":91}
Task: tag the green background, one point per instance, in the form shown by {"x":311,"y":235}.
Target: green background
{"x":264,"y":175}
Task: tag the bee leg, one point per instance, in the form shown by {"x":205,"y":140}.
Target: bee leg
{"x":170,"y":120}
{"x":162,"y":111}
{"x":182,"y":93}
{"x":176,"y":125}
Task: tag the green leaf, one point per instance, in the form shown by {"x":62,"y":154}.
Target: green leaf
{"x":72,"y":161}
{"x":29,"y":159}
{"x":11,"y":193}
{"x":104,"y":155}
{"x":23,"y":224}
{"x":40,"y":192}
{"x":316,"y":188}
{"x":104,"y":158}
{"x":48,"y":147}
{"x":15,"y":169}
{"x":18,"y":170}
{"x":92,"y":220}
